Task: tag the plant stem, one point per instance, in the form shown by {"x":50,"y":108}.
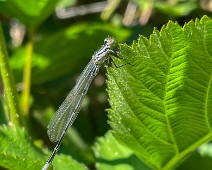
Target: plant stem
{"x":9,"y":85}
{"x":27,"y":77}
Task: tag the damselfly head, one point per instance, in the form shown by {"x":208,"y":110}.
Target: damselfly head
{"x":102,"y":54}
{"x":109,"y":41}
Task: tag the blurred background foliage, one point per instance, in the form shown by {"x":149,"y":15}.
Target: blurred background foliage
{"x":49,"y":43}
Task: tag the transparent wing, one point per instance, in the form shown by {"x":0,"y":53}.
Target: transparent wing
{"x":71,"y":105}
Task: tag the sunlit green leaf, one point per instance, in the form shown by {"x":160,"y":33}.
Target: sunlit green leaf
{"x":65,"y":162}
{"x":162,"y":101}
{"x":112,"y":155}
{"x":205,"y":149}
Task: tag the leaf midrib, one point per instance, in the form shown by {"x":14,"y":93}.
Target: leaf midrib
{"x":182,"y":154}
{"x":209,"y":84}
{"x":165,"y":111}
{"x":206,"y":103}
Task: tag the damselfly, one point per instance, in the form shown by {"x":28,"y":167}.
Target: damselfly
{"x":67,"y":112}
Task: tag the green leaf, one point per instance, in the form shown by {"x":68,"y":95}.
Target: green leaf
{"x":16,"y":152}
{"x":31,"y":12}
{"x":62,"y":162}
{"x":162,"y":101}
{"x":111,"y":155}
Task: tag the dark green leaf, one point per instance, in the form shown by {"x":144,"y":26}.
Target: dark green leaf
{"x":196,"y":161}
